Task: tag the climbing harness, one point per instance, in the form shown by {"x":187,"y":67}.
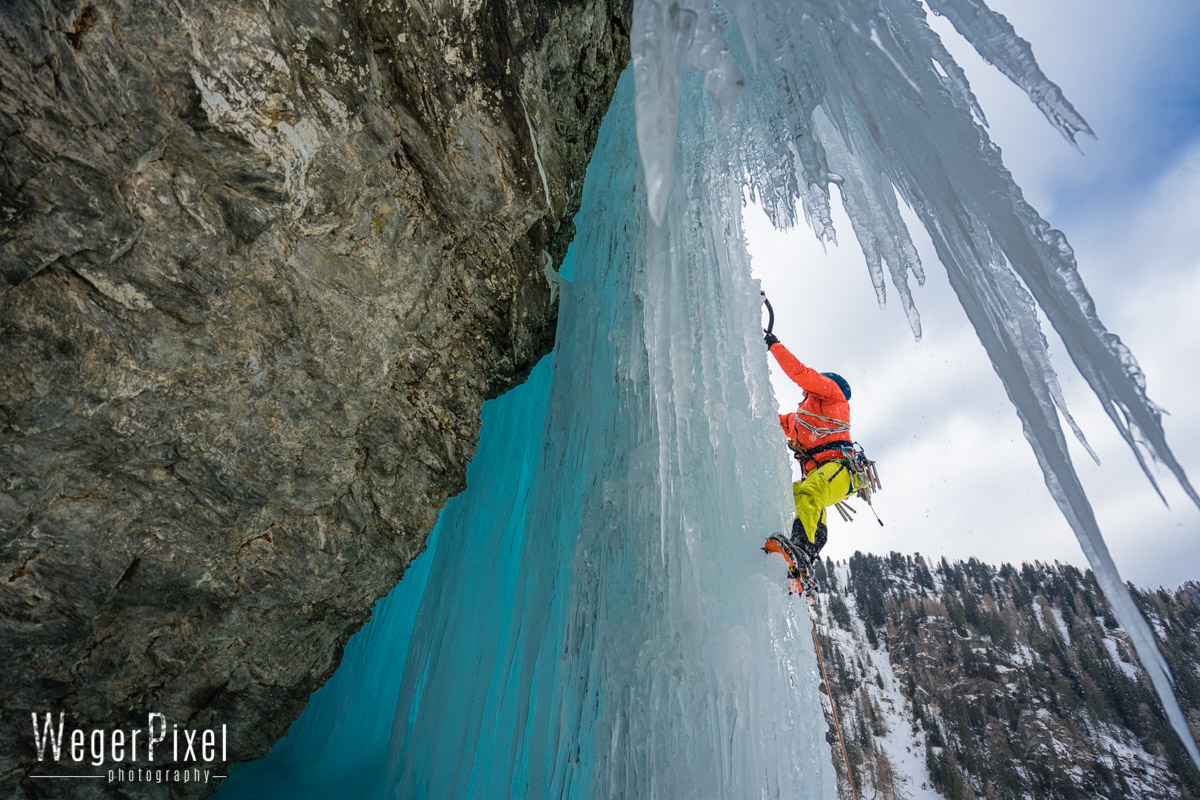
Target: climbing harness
{"x":812,"y":614}
{"x":864,"y":475}
{"x":804,"y":454}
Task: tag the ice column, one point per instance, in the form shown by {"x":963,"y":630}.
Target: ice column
{"x":645,"y":647}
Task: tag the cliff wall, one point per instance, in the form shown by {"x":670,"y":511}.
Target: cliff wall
{"x":261,"y":262}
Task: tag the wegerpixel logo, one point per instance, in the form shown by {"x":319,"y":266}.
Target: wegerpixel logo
{"x":161,"y":752}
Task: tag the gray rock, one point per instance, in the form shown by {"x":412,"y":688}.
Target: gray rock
{"x":260,"y":264}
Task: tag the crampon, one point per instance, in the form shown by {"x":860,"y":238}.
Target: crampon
{"x":800,"y":578}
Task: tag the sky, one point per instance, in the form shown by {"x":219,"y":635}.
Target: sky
{"x":959,"y":478}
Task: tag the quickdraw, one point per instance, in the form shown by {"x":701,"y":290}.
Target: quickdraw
{"x":864,"y":481}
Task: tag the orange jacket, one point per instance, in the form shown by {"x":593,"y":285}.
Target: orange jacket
{"x":822,"y":397}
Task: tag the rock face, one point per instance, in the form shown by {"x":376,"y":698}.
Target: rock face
{"x":260,"y":265}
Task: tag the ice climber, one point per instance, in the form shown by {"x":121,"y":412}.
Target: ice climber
{"x":818,"y":433}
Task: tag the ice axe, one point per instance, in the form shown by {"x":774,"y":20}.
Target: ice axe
{"x":770,"y":312}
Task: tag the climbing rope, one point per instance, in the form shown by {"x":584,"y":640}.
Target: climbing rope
{"x":839,"y":425}
{"x":829,"y":693}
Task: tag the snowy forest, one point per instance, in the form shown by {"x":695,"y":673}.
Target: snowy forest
{"x":961,"y":680}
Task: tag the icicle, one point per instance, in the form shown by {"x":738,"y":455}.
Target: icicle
{"x":659,"y":41}
{"x":993,"y":37}
{"x":666,"y":37}
{"x":553,"y":279}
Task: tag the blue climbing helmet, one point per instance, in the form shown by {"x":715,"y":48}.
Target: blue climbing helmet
{"x":842,"y":383}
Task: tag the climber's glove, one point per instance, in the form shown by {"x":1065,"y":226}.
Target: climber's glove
{"x":770,"y":339}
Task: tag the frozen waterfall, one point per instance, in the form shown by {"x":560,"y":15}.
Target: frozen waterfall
{"x":593,"y":617}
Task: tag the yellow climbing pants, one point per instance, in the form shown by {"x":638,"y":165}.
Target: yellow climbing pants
{"x":829,"y":483}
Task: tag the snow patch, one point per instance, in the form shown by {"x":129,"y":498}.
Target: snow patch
{"x":1114,"y":652}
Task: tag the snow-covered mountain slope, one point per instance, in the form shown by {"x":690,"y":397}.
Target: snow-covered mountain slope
{"x":959,"y":680}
